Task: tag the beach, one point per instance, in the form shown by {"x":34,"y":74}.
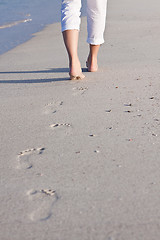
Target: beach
{"x":80,"y":159}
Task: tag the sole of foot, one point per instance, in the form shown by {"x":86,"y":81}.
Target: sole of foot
{"x":77,"y":77}
{"x":91,"y":69}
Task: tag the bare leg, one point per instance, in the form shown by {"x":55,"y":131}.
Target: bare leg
{"x":71,"y":42}
{"x":92,"y":58}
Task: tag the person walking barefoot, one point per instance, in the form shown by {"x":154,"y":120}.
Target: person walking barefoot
{"x":70,"y":24}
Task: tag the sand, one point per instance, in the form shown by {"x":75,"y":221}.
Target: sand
{"x":80,"y":159}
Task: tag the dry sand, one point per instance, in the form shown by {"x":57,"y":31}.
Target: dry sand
{"x":80,"y":159}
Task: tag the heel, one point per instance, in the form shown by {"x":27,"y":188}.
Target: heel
{"x":76,"y":77}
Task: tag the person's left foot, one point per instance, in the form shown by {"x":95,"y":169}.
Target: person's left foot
{"x":75,"y":72}
{"x":77,"y":77}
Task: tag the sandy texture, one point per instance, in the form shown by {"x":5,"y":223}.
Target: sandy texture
{"x":80,"y":159}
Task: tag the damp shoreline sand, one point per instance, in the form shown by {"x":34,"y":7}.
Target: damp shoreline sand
{"x":80,"y":159}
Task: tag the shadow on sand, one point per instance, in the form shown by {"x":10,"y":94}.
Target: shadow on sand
{"x":52,"y":70}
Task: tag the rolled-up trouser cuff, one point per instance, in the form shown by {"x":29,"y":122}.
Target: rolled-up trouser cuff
{"x":93,"y":41}
{"x":64,"y":28}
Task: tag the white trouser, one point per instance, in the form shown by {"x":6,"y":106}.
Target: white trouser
{"x":96,"y":18}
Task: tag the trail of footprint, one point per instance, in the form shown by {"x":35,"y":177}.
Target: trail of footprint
{"x":79,"y":90}
{"x":43,"y":202}
{"x":24,"y":161}
{"x":52,"y":107}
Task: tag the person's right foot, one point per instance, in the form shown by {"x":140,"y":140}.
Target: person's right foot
{"x":91,"y":64}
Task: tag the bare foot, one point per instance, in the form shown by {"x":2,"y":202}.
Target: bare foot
{"x":75,"y":70}
{"x":91,"y":64}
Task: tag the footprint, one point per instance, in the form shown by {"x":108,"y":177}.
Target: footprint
{"x":79,"y":90}
{"x":24,"y":161}
{"x":57,"y":125}
{"x":43,"y":202}
{"x":92,"y":135}
{"x":52,"y":107}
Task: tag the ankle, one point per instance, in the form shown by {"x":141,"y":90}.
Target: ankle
{"x":74,"y":59}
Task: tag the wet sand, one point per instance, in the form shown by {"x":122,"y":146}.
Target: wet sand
{"x":80,"y":159}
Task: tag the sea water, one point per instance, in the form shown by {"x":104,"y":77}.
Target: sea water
{"x":19,"y":19}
